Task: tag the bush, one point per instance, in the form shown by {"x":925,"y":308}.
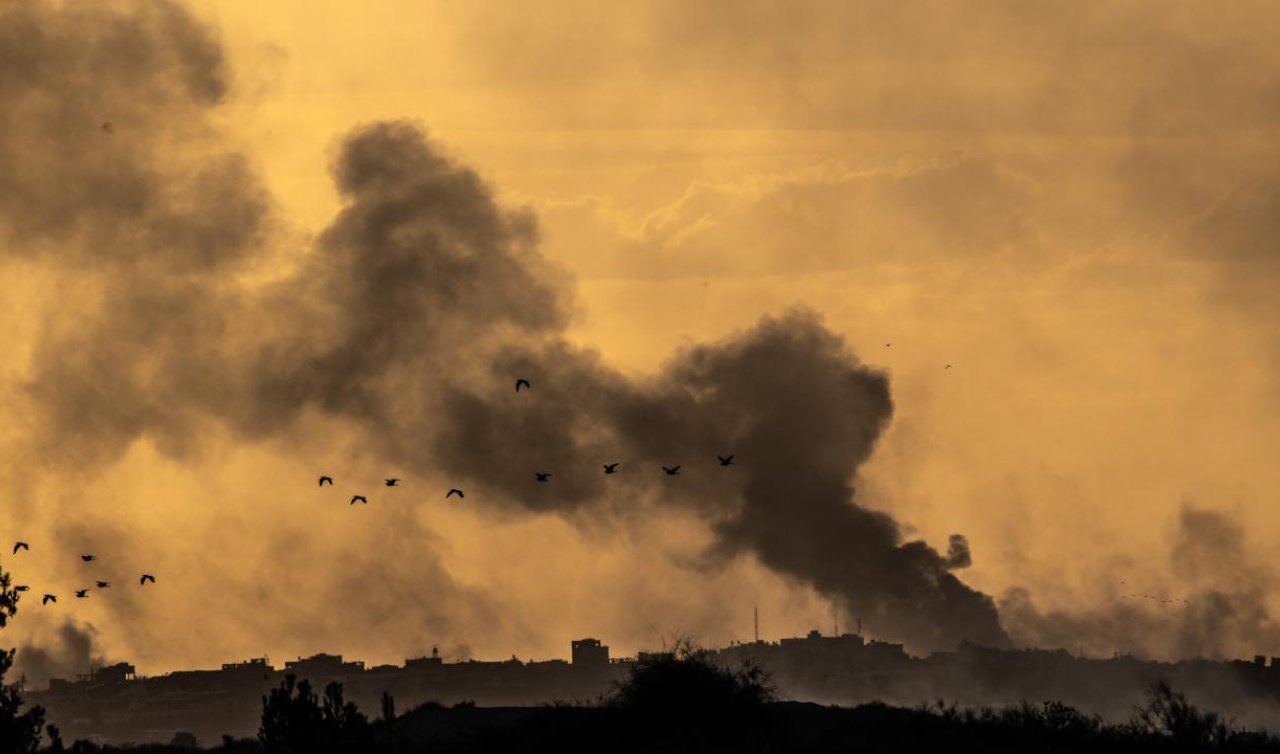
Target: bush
{"x":1167,"y":713}
{"x":687,"y":682}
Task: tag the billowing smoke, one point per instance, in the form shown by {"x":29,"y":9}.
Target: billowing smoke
{"x":958,"y":552}
{"x":435,"y":301}
{"x":1215,"y":604}
{"x":407,"y":323}
{"x":62,"y":653}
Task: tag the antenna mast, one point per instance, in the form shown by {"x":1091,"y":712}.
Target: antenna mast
{"x":756,"y":610}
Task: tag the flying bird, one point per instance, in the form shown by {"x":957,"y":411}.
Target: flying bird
{"x":671,"y":471}
{"x":358,"y":499}
{"x":542,"y":476}
{"x":947,"y":366}
{"x":886,"y":345}
{"x":88,"y":558}
{"x":20,"y":546}
{"x":453,"y":491}
{"x":611,"y":468}
{"x":49,"y":598}
{"x":21,"y":588}
{"x":725,"y":460}
{"x":324,"y":479}
{"x":522,"y":382}
{"x":108,"y":128}
{"x":82,"y":593}
{"x":145,"y":578}
{"x":103,"y":584}
{"x":393,"y":482}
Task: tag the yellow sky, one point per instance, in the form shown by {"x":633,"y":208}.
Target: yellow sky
{"x":1070,"y":203}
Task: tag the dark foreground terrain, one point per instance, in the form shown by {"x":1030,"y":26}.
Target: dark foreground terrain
{"x":684,"y":702}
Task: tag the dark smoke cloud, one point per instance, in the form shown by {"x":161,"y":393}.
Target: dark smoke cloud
{"x":151,"y":230}
{"x":1215,"y":604}
{"x":409,"y":322}
{"x":958,"y":555}
{"x":64,"y":652}
{"x":144,"y":223}
{"x":440,"y":300}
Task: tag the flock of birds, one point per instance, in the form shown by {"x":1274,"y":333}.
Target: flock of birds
{"x":80,"y":593}
{"x":538,"y":476}
{"x":1154,"y":598}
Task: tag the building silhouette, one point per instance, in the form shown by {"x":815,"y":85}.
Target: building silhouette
{"x":113,"y":704}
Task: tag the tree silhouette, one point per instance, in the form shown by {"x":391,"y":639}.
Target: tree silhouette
{"x":296,"y":721}
{"x":19,"y":731}
{"x":184,"y":740}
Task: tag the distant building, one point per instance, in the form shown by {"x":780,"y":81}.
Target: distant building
{"x":254,"y":663}
{"x":113,"y":674}
{"x":425,"y":663}
{"x":323,"y":665}
{"x":590,"y":653}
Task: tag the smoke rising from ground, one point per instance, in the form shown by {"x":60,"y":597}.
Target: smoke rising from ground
{"x":62,"y":653}
{"x":406,"y":323}
{"x":188,"y":327}
{"x":439,"y":301}
{"x":1214,"y":603}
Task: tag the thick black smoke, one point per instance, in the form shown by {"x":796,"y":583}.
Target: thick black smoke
{"x":410,"y":320}
{"x":438,"y":301}
{"x":958,"y":555}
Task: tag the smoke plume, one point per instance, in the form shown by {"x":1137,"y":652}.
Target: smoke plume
{"x":64,"y":652}
{"x":1215,"y":604}
{"x":405,"y":326}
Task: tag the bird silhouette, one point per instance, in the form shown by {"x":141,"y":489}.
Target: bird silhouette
{"x":21,"y":588}
{"x":49,"y":598}
{"x":542,"y":476}
{"x":108,"y":128}
{"x":947,"y":366}
{"x":88,"y":558}
{"x":453,"y":491}
{"x":725,"y":460}
{"x":522,"y":382}
{"x":358,"y":499}
{"x":147,"y":577}
{"x":82,"y":593}
{"x":393,"y":482}
{"x":20,"y":546}
{"x":102,"y":584}
{"x":671,"y":471}
{"x":324,"y":479}
{"x":611,"y":468}
{"x":886,"y":345}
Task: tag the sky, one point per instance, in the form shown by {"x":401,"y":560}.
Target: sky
{"x":324,"y":238}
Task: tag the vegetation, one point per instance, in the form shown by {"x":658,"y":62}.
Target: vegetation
{"x":295,"y":721}
{"x":686,"y":681}
{"x":19,"y":731}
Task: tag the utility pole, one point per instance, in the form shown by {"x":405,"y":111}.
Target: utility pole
{"x":756,"y":610}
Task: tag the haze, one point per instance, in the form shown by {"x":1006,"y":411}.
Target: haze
{"x":1072,"y":204}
